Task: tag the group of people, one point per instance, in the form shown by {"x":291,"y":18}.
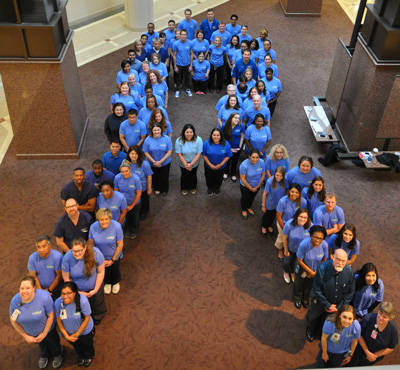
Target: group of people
{"x":316,"y":246}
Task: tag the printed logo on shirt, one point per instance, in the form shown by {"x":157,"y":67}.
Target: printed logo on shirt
{"x":137,"y":171}
{"x":320,"y":255}
{"x":334,"y":219}
{"x":37,"y":312}
{"x":111,"y":237}
{"x":259,"y":169}
{"x":349,"y":335}
{"x":163,"y":145}
{"x":77,"y":313}
{"x":132,"y":186}
{"x":50,"y":266}
{"x":223,"y":151}
{"x":373,"y":294}
{"x":85,"y":229}
{"x":137,"y":130}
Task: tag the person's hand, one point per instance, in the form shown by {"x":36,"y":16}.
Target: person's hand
{"x":286,"y":253}
{"x":108,"y":263}
{"x":129,"y":208}
{"x":40,"y":337}
{"x":91,"y":293}
{"x":370,"y":356}
{"x":190,"y":69}
{"x":84,"y":293}
{"x":157,"y":164}
{"x":264,"y":209}
{"x":254,"y":189}
{"x":176,"y":69}
{"x":165,"y":105}
{"x":71,"y":338}
{"x":331,"y":309}
{"x":29,"y":339}
{"x":188,"y":166}
{"x":346,"y":361}
{"x":310,"y":275}
{"x":206,"y":76}
{"x":149,"y":192}
{"x":325,"y":356}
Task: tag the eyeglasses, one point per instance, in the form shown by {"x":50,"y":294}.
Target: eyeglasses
{"x":68,"y":293}
{"x":69,"y":207}
{"x":317,"y":238}
{"x":76,"y":251}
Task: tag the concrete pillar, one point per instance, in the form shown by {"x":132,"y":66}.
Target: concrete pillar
{"x":138,"y":13}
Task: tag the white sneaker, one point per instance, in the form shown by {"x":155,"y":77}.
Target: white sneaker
{"x":188,"y":92}
{"x":116,"y":288}
{"x":177,"y":93}
{"x":107,"y":289}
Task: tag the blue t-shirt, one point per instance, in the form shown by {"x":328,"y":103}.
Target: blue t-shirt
{"x":198,"y":46}
{"x":271,"y":165}
{"x":230,"y":51}
{"x":225,"y":37}
{"x":311,"y":256}
{"x":189,"y":150}
{"x":143,"y":103}
{"x":73,"y":320}
{"x":33,"y":316}
{"x":200,"y":70}
{"x":106,"y":239}
{"x":190,"y":26}
{"x":241,"y":37}
{"x":128,"y":101}
{"x":161,"y":68}
{"x":124,"y":77}
{"x":112,"y":163}
{"x":262,"y":67}
{"x":128,"y":187}
{"x":151,"y":37}
{"x":295,"y":176}
{"x":217,"y":55}
{"x":250,"y":114}
{"x":142,"y":172}
{"x":274,"y":195}
{"x":252,"y":171}
{"x":133,"y":133}
{"x":248,"y":102}
{"x":216,"y":153}
{"x":240,"y":67}
{"x":347,"y":335}
{"x":262,"y":53}
{"x":116,"y":204}
{"x":323,"y":218}
{"x":76,"y":270}
{"x":237,"y":132}
{"x":182,"y":52}
{"x":366,"y":297}
{"x":145,"y":113}
{"x":160,"y":90}
{"x":94,"y":180}
{"x":45,"y":268}
{"x":273,"y":86}
{"x":257,"y":138}
{"x":313,"y":203}
{"x":238,"y":55}
{"x":350,"y":252}
{"x":224,"y":114}
{"x":233,"y":30}
{"x":289,"y":208}
{"x":164,"y":133}
{"x":224,"y":99}
{"x":158,"y":147}
{"x":169,"y":34}
{"x":295,"y":234}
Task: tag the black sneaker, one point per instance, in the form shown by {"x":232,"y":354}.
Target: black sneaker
{"x":209,"y":192}
{"x":87,"y":362}
{"x":217,"y":192}
{"x":309,"y":335}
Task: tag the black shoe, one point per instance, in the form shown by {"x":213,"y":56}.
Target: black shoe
{"x":297,"y":305}
{"x":142,"y":217}
{"x":305,"y":304}
{"x":87,"y":362}
{"x":263,"y":234}
{"x":217,"y":192}
{"x":97,"y":322}
{"x":81,"y":361}
{"x":309,"y":335}
{"x":272,"y":233}
{"x":209,"y":192}
{"x":164,"y":193}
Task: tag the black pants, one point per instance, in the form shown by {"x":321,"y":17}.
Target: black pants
{"x":302,"y":286}
{"x":161,"y":178}
{"x":132,"y":220}
{"x":50,"y":345}
{"x":289,"y":262}
{"x":231,"y":166}
{"x":271,"y":107}
{"x":84,"y":346}
{"x":113,"y":273}
{"x":183,"y":73}
{"x":213,"y":178}
{"x":98,"y":304}
{"x":335,"y":360}
{"x":316,"y":315}
{"x":228,"y":72}
{"x":247,"y":198}
{"x":144,"y":203}
{"x":188,"y":178}
{"x":268,"y":218}
{"x":219,"y":71}
{"x":200,"y":85}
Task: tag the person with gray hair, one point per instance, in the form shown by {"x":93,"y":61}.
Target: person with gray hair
{"x":230,"y":90}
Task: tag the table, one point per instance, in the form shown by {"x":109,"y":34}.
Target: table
{"x":320,"y":124}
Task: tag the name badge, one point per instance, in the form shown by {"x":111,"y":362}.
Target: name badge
{"x":63,"y":314}
{"x":15,"y":314}
{"x":374,"y":334}
{"x":335,"y":338}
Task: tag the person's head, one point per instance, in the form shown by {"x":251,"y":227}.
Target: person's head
{"x":27,"y":288}
{"x":367,"y":275}
{"x":348,"y":235}
{"x":106,"y":188}
{"x":244,"y":29}
{"x":132,"y":80}
{"x":163,"y":37}
{"x":267,"y":45}
{"x":151,"y":102}
{"x":216,"y":137}
{"x":254,"y":44}
{"x":70,"y":294}
{"x":184,"y":35}
{"x":200,"y":35}
{"x":235,"y":41}
{"x":233,"y":120}
{"x":317,"y":183}
{"x":221,"y":26}
{"x":254,"y":156}
{"x":118,"y":109}
{"x":153,"y":76}
{"x":97,"y":167}
{"x":263,"y":34}
{"x":386,"y":312}
{"x":234,"y":18}
{"x":79,"y":248}
{"x":188,"y":14}
{"x":231,"y":89}
{"x":330,"y":202}
{"x":339,"y":260}
{"x":248,"y":73}
{"x":81,"y":251}
{"x":156,"y":130}
{"x":124,"y":88}
{"x":125,"y":169}
{"x":156,"y":44}
{"x":104,"y":216}
{"x":246,"y":55}
{"x":135,"y":155}
{"x":188,"y":133}
{"x":344,"y":317}
{"x":245,"y":44}
{"x":260,"y":85}
{"x":305,"y":164}
{"x":257,"y":102}
{"x":43,"y":246}
{"x":200,"y":56}
{"x":78,"y":176}
{"x":144,"y":38}
{"x":171,"y":25}
{"x":278,"y":151}
{"x":210,"y":15}
{"x":217,"y":41}
{"x":267,"y":59}
{"x":145,"y":66}
{"x":157,"y":116}
{"x":317,"y":235}
{"x":71,"y":207}
{"x":132,"y":55}
{"x":137,"y":46}
{"x":126,"y":66}
{"x":300,"y":218}
{"x":177,"y":34}
{"x":115,"y":147}
{"x":279,"y":176}
{"x":294,"y":193}
{"x":252,"y":92}
{"x":259,"y":121}
{"x":232,"y":102}
{"x":150,"y":28}
{"x":269,"y":74}
{"x":132,"y":116}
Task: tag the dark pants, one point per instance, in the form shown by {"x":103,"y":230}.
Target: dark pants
{"x":360,"y":359}
{"x":84,"y":346}
{"x":200,"y":86}
{"x":289,"y":262}
{"x":161,"y":178}
{"x":247,"y":198}
{"x":271,"y":107}
{"x":113,"y":273}
{"x":228,"y":72}
{"x":50,"y":345}
{"x":302,"y":286}
{"x":132,"y":222}
{"x":335,"y":360}
{"x":144,"y":203}
{"x":231,"y":166}
{"x":188,"y":178}
{"x":268,"y":218}
{"x":219,"y":71}
{"x":98,"y":304}
{"x":213,"y":178}
{"x":183,"y":73}
{"x":316,"y":315}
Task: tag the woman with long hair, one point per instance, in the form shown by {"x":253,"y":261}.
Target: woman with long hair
{"x":160,"y":88}
{"x":114,"y":120}
{"x":346,"y":239}
{"x":124,"y":96}
{"x":278,"y":157}
{"x":314,"y":194}
{"x":304,"y":173}
{"x":231,"y":106}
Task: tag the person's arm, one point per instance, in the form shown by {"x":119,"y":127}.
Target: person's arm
{"x":264,"y":200}
{"x":174,"y":57}
{"x":264,"y":149}
{"x":309,"y":272}
{"x":246,"y":183}
{"x":331,"y":252}
{"x":285,"y":245}
{"x":149,"y":183}
{"x":47,"y":327}
{"x":99,"y":281}
{"x":208,"y":162}
{"x":88,"y":206}
{"x":248,"y":145}
{"x":107,"y":130}
{"x":120,"y":245}
{"x":63,"y":204}
{"x":83,"y":326}
{"x":64,"y":332}
{"x":317,"y":288}
{"x":55,"y":282}
{"x":20,"y":330}
{"x":34,"y":275}
{"x":353,"y":346}
{"x":163,"y":159}
{"x":122,"y":216}
{"x":189,"y":166}
{"x":241,"y":140}
{"x":219,"y":122}
{"x":276,"y":97}
{"x":150,"y":158}
{"x":324,"y":347}
{"x":192,"y":57}
{"x":135,"y":200}
{"x":166,"y":101}
{"x":279,"y":219}
{"x":351,"y":260}
{"x":228,"y":60}
{"x":123,"y":141}
{"x":182,"y":159}
{"x":268,"y":174}
{"x":371,"y":357}
{"x":142,"y":137}
{"x":384,"y":352}
{"x":66,"y":276}
{"x":226,"y":159}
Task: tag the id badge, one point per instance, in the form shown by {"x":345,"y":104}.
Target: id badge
{"x":374,"y":334}
{"x":63,"y":314}
{"x":335,"y":338}
{"x":15,"y":314}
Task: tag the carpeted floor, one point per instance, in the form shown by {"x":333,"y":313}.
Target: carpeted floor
{"x":202,"y":289}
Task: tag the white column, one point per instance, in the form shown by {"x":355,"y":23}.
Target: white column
{"x":138,"y":13}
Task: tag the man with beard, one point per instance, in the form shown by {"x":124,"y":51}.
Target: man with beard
{"x":98,"y":174}
{"x":334,"y":286}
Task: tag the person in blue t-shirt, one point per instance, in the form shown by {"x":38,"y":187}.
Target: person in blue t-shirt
{"x":181,"y":56}
{"x":113,"y":159}
{"x":304,"y":173}
{"x":124,"y":96}
{"x":113,"y":200}
{"x":132,"y":131}
{"x":233,"y":28}
{"x":136,"y":64}
{"x":346,"y":239}
{"x":216,"y":153}
{"x":221,"y":32}
{"x":217,"y":56}
{"x":98,"y":174}
{"x":32,"y":316}
{"x":278,"y":157}
{"x":159,"y":86}
{"x":274,"y":87}
{"x":242,"y":64}
{"x":200,"y":72}
{"x":339,"y":338}
{"x":170,"y":31}
{"x":125,"y":71}
{"x":45,"y":266}
{"x":258,"y":136}
{"x":231,"y":49}
{"x":243,"y":35}
{"x":188,"y":24}
{"x":199,"y":44}
{"x":75,"y":323}
{"x":151,"y":34}
{"x":252,"y":172}
{"x":231,"y":106}
{"x":314,"y":195}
